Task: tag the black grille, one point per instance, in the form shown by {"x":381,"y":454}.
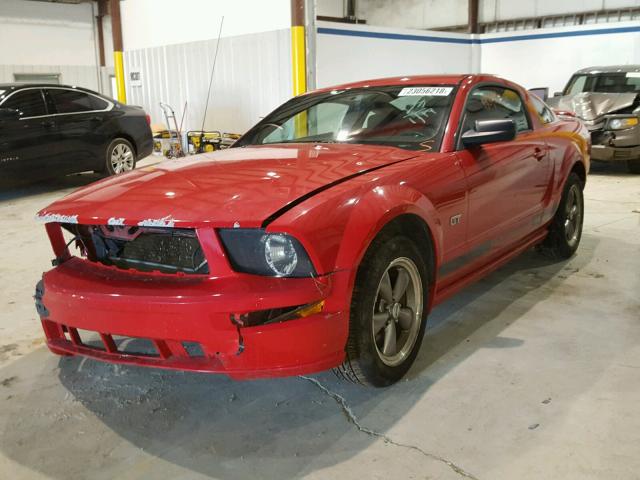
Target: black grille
{"x":600,"y":137}
{"x":167,"y":250}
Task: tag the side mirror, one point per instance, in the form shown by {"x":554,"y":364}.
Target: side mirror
{"x":7,"y":114}
{"x":542,"y":93}
{"x":490,"y":131}
{"x":558,"y":94}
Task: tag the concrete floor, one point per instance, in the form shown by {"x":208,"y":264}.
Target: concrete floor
{"x":533,"y":373}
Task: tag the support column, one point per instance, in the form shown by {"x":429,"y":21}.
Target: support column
{"x":298,"y":48}
{"x":310,"y":45}
{"x":473,"y":16}
{"x":102,"y":11}
{"x":118,"y":61}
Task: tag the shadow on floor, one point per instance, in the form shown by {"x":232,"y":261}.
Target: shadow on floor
{"x":14,"y":190}
{"x":282,"y":428}
{"x":610,"y":168}
{"x":10,"y":190}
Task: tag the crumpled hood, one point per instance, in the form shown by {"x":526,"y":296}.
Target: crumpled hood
{"x":237,"y":186}
{"x":590,"y":106}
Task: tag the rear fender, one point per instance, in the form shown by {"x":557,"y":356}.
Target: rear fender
{"x":574,"y":142}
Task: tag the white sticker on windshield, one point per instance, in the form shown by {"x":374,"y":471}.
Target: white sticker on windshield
{"x":422,"y":91}
{"x":633,"y":74}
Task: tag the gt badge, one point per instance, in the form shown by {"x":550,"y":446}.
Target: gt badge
{"x":456,"y":219}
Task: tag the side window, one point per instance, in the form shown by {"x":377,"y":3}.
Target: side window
{"x":28,"y":102}
{"x":98,"y":103}
{"x":494,"y":103}
{"x":71,"y":101}
{"x":577,"y":85}
{"x":543,"y":111}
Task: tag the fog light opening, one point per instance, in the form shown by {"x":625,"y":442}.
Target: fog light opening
{"x":276,"y":315}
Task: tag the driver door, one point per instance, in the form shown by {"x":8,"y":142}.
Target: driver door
{"x":506,"y":180}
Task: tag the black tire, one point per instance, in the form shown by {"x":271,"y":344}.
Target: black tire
{"x":119,"y":152}
{"x":365,"y":363}
{"x":565,"y":230}
{"x":633,"y":166}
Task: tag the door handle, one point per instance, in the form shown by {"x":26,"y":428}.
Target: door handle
{"x":538,"y":153}
{"x":96,"y":119}
{"x":47,"y":123}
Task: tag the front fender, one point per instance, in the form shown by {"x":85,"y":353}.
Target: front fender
{"x":337,"y":226}
{"x":376,"y":209}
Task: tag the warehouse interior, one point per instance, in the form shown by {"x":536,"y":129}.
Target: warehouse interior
{"x":531,"y":372}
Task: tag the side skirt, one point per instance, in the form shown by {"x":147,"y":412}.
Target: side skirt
{"x":446,"y":292}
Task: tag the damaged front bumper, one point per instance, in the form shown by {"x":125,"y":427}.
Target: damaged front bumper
{"x":615,"y":145}
{"x":174,"y":312}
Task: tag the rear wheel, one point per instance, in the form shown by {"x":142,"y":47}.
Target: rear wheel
{"x":120,"y":157}
{"x":387,"y":320}
{"x":633,"y":166}
{"x":565,"y":231}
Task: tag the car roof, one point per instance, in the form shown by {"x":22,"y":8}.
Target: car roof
{"x":404,"y":80}
{"x":453,"y":79}
{"x":611,"y":69}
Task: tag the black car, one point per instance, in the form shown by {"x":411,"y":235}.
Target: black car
{"x":48,"y":130}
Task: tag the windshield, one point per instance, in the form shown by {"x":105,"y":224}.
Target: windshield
{"x":412,"y":118}
{"x":618,"y":82}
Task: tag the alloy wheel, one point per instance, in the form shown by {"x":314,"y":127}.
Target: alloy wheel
{"x":397,"y":311}
{"x":122,"y":159}
{"x":573,"y":217}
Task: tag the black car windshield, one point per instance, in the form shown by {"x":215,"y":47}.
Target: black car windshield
{"x":409,"y":117}
{"x":616,"y":82}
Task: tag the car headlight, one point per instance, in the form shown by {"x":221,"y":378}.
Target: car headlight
{"x":622,"y":123}
{"x":252,"y":250}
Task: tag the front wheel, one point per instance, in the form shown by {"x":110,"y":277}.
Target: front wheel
{"x":388,"y":319}
{"x":120,"y":157}
{"x":565,"y":230}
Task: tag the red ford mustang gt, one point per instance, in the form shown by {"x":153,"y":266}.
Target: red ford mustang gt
{"x":322,"y":239}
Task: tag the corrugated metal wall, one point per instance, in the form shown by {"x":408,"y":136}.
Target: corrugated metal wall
{"x":252,"y":77}
{"x":80,"y":75}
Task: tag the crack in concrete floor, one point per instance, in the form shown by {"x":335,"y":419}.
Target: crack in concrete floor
{"x":351,"y":418}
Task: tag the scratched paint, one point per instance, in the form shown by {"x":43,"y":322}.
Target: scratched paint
{"x":158,"y":222}
{"x":116,"y":221}
{"x":56,"y":218}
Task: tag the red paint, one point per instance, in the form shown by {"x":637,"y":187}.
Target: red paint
{"x":506,"y":194}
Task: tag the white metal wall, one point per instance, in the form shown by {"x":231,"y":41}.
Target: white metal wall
{"x":426,"y":14}
{"x":81,"y":75}
{"x":499,"y":10}
{"x":252,"y":77}
{"x":535,"y":58}
{"x":41,"y":37}
{"x":342,"y":56}
{"x":549,"y":61}
{"x":153,"y":23}
{"x":40,"y":33}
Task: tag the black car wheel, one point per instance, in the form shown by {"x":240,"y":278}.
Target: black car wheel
{"x":565,"y":231}
{"x":120,"y":157}
{"x":633,"y":166}
{"x":388,"y":319}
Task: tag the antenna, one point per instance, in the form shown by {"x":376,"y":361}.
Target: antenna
{"x":213,"y":69}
